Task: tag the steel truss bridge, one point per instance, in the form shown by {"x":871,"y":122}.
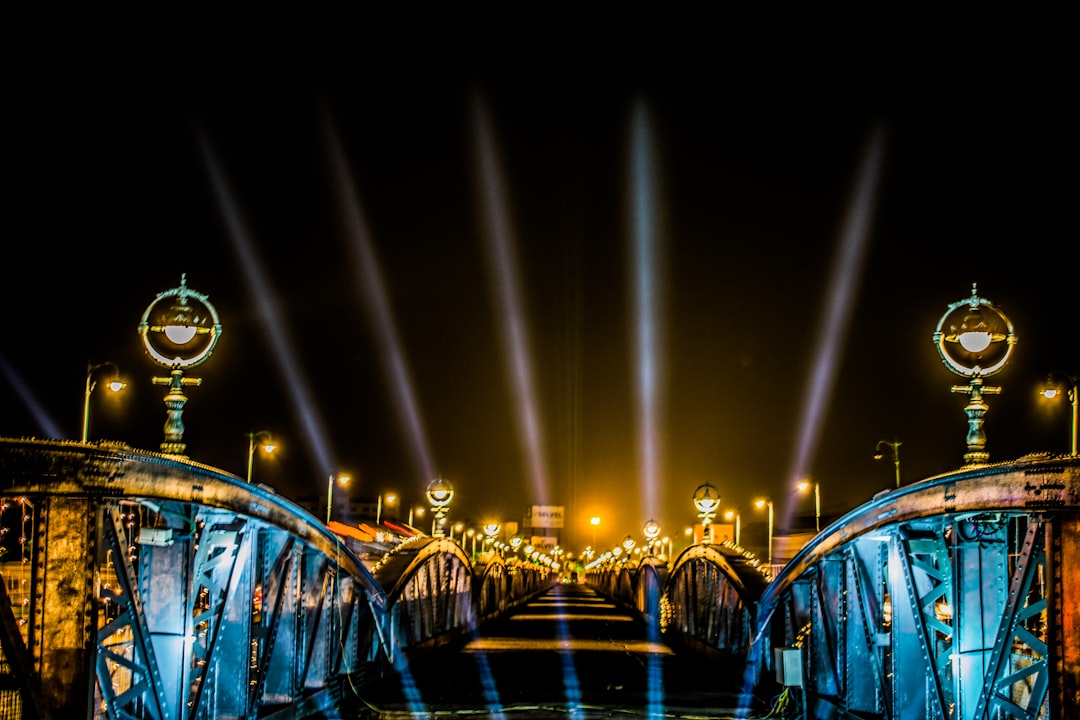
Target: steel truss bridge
{"x":139,"y":585}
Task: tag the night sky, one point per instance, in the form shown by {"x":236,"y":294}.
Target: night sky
{"x":128,"y":165}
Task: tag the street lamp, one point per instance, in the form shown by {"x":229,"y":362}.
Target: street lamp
{"x":734,"y":515}
{"x":179,"y":330}
{"x":114,"y":385}
{"x":595,"y":522}
{"x":344,"y":480}
{"x":803,"y":487}
{"x":769,"y":504}
{"x":651,"y":530}
{"x":391,"y":499}
{"x":975,"y":340}
{"x":267,"y":445}
{"x":491,"y":531}
{"x":1053,"y":388}
{"x":439,"y":493}
{"x":706,"y":500}
{"x":418,"y":511}
{"x":895,"y":447}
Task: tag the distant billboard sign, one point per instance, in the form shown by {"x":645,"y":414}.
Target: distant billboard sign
{"x":544,"y":543}
{"x":544,"y":516}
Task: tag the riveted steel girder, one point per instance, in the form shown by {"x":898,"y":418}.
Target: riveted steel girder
{"x":159,"y":588}
{"x":945,"y":599}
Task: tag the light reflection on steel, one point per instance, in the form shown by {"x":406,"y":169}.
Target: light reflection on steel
{"x":946,"y":598}
{"x":148,"y":573}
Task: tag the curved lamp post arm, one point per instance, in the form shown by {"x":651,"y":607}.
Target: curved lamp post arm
{"x":1050,"y":391}
{"x":894,"y":446}
{"x":91,"y":383}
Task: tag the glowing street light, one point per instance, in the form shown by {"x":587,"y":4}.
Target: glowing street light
{"x":803,"y":487}
{"x":894,"y":446}
{"x":651,"y":530}
{"x":975,"y":340}
{"x":265,"y":443}
{"x":114,"y":385}
{"x":391,"y":499}
{"x":767,"y":503}
{"x":418,"y":512}
{"x":734,"y":515}
{"x":595,"y":522}
{"x":706,"y":500}
{"x":1052,"y":389}
{"x":179,"y":330}
{"x":341,"y":478}
{"x":439,"y":493}
{"x":491,"y":531}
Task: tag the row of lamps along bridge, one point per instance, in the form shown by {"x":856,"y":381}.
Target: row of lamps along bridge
{"x":180,"y":329}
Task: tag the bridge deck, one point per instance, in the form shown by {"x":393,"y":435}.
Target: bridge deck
{"x":569,"y":652}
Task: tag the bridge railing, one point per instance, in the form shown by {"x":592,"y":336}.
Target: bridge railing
{"x":954,"y":597}
{"x":435,"y":595}
{"x":636,"y":583}
{"x":502,"y":584}
{"x":710,"y":598}
{"x":428,"y":584}
{"x":145,"y":586}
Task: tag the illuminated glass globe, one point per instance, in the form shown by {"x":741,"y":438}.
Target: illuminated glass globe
{"x":974,"y":338}
{"x":706,"y":499}
{"x":440,"y":493}
{"x":180,"y":328}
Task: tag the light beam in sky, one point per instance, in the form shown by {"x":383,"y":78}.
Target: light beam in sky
{"x":374,"y":296}
{"x":270,"y":316}
{"x":845,"y":277}
{"x":504,"y":277}
{"x":45,"y":423}
{"x":646,"y":306}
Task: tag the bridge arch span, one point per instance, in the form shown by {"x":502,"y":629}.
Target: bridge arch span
{"x":953,"y":597}
{"x":146,"y":585}
{"x":710,"y":599}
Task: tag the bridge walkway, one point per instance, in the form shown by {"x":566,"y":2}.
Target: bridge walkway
{"x":568,"y":653}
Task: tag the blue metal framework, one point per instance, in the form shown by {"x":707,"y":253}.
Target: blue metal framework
{"x":945,"y":599}
{"x":159,"y":588}
{"x":710,"y":598}
{"x":145,"y":586}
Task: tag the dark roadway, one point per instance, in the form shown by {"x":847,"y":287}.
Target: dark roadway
{"x":568,"y":653}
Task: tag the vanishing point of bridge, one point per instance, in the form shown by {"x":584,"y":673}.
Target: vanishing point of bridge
{"x":141,"y":585}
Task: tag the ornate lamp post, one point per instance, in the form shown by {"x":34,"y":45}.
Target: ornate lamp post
{"x":651,"y":530}
{"x":179,"y":330}
{"x":264,"y":441}
{"x":439,"y":493}
{"x":975,"y":340}
{"x":894,"y":446}
{"x":1052,"y":389}
{"x":706,"y":500}
{"x":341,"y":478}
{"x":491,"y":531}
{"x":114,"y":385}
